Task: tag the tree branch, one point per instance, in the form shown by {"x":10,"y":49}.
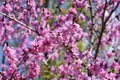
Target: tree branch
{"x":91,"y":27}
{"x":111,"y":13}
{"x":102,"y":30}
{"x":103,"y":27}
{"x":21,"y":23}
{"x":12,"y":75}
{"x":91,"y":12}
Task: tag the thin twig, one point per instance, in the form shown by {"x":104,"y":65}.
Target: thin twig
{"x":12,"y":75}
{"x":102,"y":30}
{"x":111,"y":13}
{"x":103,"y":27}
{"x":91,"y":28}
{"x":91,"y":12}
{"x":21,"y":23}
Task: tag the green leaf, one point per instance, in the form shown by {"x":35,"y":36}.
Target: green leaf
{"x":80,"y":46}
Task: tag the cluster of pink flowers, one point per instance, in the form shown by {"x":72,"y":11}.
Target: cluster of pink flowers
{"x":84,"y":40}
